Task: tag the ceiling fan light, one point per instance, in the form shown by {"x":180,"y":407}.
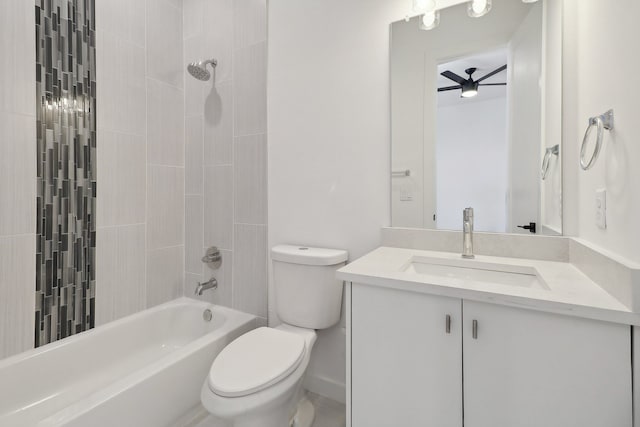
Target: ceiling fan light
{"x":430,"y":20}
{"x":469,"y":93}
{"x":424,"y":6}
{"x":478,"y":8}
{"x":469,"y":89}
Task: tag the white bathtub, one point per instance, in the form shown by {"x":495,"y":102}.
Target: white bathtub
{"x":142,"y":370}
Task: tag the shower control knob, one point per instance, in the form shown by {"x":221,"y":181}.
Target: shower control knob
{"x":212,"y":258}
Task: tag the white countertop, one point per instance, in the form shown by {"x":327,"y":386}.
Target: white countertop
{"x":570,"y":291}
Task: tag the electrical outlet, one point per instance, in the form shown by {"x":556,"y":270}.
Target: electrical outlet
{"x":601,"y":208}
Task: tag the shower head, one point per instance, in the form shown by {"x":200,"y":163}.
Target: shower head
{"x":199,"y":69}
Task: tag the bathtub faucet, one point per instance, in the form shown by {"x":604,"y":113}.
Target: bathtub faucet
{"x":210,"y":284}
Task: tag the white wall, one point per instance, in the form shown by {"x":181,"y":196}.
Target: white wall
{"x":471,"y":163}
{"x":597,"y":69}
{"x":328,"y":84}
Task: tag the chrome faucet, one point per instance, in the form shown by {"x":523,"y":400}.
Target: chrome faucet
{"x":210,"y":284}
{"x":467,"y":233}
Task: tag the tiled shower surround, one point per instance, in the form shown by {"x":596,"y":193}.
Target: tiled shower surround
{"x":66,"y":161}
{"x":146,"y":171}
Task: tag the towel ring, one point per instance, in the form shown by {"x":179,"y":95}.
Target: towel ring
{"x":601,"y":122}
{"x":551,"y":151}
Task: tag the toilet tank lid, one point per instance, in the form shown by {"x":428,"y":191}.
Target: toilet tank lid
{"x":307,"y":255}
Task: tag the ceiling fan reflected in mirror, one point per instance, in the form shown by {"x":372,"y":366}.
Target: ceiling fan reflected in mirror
{"x":469,"y":86}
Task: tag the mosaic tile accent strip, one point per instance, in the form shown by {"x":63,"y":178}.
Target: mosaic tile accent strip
{"x":66,"y":196}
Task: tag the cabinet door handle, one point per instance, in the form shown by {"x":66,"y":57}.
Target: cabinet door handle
{"x":474,"y":329}
{"x":447,"y":323}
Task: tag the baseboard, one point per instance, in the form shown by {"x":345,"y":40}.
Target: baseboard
{"x":325,"y":387}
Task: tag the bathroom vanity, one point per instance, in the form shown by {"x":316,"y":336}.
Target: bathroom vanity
{"x":437,"y":340}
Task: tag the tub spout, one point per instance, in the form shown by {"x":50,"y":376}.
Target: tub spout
{"x":210,"y":284}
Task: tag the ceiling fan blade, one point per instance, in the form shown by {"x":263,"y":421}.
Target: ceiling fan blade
{"x":493,"y":84}
{"x":496,"y":71}
{"x":442,"y":89}
{"x":453,"y":76}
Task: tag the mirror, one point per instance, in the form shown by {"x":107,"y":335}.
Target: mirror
{"x":498,"y":151}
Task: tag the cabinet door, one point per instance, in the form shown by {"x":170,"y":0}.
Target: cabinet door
{"x":534,"y":369}
{"x":405,"y":366}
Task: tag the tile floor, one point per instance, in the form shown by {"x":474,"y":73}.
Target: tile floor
{"x":329,"y":413}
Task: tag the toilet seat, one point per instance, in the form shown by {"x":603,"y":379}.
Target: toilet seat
{"x":255,"y":361}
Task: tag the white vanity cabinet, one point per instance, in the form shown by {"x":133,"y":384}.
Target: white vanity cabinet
{"x":516,"y":368}
{"x":406,"y":369}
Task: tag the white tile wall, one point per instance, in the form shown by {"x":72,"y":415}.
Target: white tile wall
{"x":249,"y":179}
{"x":17,"y":57}
{"x":17,"y":174}
{"x":165,"y":214}
{"x":17,"y":177}
{"x":194,"y":237}
{"x":122,"y":253}
{"x":17,"y":288}
{"x":217,"y":36}
{"x":122,"y":17}
{"x":250,"y":269}
{"x":250,"y":89}
{"x":122,"y":178}
{"x":140,"y":242}
{"x":218,"y":206}
{"x":121,"y":86}
{"x":192,"y":19}
{"x":164,"y":41}
{"x":250,"y":23}
{"x":165,"y":124}
{"x":165,"y":275}
{"x":193,"y":154}
{"x":226,"y":150}
{"x":218,"y":125}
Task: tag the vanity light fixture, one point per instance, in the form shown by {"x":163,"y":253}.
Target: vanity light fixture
{"x":478,"y":8}
{"x":424,"y":6}
{"x":430,"y":20}
{"x":529,"y":1}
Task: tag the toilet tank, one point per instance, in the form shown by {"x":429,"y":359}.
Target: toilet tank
{"x":307,"y":292}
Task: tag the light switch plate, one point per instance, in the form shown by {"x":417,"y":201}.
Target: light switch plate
{"x":406,"y":196}
{"x":601,"y":208}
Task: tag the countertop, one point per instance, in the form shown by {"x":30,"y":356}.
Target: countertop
{"x":570,"y":292}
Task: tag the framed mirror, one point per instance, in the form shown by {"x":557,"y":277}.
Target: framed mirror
{"x":476,"y":109}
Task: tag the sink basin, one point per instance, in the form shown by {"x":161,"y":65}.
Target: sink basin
{"x":477,"y":272}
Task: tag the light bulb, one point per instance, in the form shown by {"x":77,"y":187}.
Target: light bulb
{"x":423,"y":6}
{"x":430,"y":20}
{"x":478,"y":8}
{"x":469,"y":93}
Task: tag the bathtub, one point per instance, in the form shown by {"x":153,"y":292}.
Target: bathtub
{"x":142,"y":370}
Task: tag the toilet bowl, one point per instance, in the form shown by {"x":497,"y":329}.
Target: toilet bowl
{"x":256,"y":381}
{"x":235,"y":390}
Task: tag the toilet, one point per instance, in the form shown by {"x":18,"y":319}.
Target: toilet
{"x":256,"y":380}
